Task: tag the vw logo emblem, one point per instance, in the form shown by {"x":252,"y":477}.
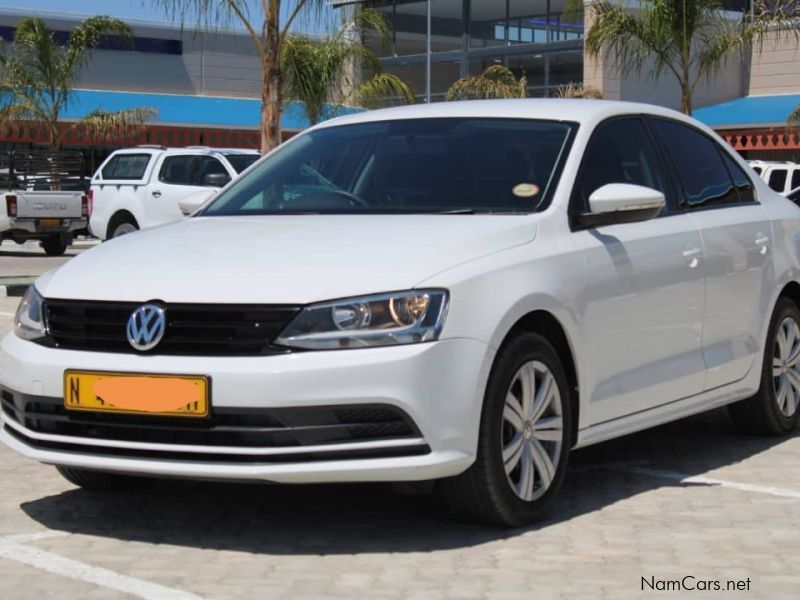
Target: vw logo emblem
{"x":146,"y":327}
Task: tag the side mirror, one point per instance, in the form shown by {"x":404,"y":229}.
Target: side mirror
{"x":622,"y":203}
{"x":192,"y":203}
{"x":216,"y":180}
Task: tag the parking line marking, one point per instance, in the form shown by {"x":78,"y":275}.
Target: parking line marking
{"x":698,"y":479}
{"x":5,"y":314}
{"x":12,"y":547}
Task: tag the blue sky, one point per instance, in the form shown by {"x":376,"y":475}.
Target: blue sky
{"x":124,"y":9}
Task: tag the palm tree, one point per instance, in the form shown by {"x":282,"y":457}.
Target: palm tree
{"x":576,"y":90}
{"x":496,"y":81}
{"x":320,"y":70}
{"x":794,"y":117}
{"x":268,"y":32}
{"x":691,"y":39}
{"x":38,"y":76}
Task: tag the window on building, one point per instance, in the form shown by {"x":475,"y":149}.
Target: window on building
{"x":488,"y":23}
{"x":126,"y":167}
{"x":620,"y":151}
{"x":702,"y":172}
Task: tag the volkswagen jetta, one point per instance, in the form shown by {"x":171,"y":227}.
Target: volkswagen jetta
{"x":460,"y":292}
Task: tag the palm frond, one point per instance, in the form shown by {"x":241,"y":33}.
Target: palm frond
{"x":794,"y":117}
{"x":330,"y":69}
{"x":88,"y":34}
{"x":104,"y":125}
{"x":380,"y":87}
{"x":496,"y":81}
{"x":577,"y":90}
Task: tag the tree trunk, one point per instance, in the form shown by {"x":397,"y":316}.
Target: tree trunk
{"x":272,"y":85}
{"x":271,"y":109}
{"x":686,"y":99}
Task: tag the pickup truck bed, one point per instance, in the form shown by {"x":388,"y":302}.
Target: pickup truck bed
{"x":51,"y":215}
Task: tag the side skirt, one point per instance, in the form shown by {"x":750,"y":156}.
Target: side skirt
{"x":665,"y":413}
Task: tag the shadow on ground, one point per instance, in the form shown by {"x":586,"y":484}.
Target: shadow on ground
{"x":35,"y":254}
{"x":347,"y":519}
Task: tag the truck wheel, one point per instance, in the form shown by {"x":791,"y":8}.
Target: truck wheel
{"x":123,"y":228}
{"x":55,"y":245}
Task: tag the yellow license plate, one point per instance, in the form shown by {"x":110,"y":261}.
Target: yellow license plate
{"x":140,"y":393}
{"x":49,"y":223}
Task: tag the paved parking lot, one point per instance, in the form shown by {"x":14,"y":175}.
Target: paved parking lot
{"x":691,"y":502}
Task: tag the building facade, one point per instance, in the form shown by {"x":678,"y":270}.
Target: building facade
{"x":206,"y":87}
{"x":534,"y":38}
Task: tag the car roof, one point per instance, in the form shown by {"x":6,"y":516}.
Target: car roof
{"x":193,"y":149}
{"x":577,"y":110}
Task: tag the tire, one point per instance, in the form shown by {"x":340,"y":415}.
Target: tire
{"x":123,"y":228}
{"x":773,"y":410}
{"x":485,"y":492}
{"x":54,"y":245}
{"x":101,"y":480}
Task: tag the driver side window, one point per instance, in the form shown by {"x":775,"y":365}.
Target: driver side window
{"x":620,"y":151}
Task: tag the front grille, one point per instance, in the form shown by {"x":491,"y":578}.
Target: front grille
{"x":238,"y":427}
{"x":192,"y":329}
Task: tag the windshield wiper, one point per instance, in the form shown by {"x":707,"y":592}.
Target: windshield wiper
{"x":456,"y":211}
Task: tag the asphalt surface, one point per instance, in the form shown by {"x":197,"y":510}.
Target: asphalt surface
{"x":687,"y":505}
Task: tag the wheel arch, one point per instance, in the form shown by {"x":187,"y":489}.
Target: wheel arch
{"x":546,"y":324}
{"x":120,"y":216}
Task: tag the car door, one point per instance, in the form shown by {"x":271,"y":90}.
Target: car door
{"x":171,"y":183}
{"x":736,"y":231}
{"x":642,"y":286}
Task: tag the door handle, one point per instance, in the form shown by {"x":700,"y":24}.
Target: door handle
{"x":156,"y":194}
{"x":692,"y":256}
{"x":763,"y":242}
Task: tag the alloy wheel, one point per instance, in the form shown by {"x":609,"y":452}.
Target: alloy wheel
{"x":532,"y":430}
{"x":786,"y":366}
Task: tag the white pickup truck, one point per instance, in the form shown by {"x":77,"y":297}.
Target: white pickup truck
{"x":141,"y":187}
{"x":43,"y":198}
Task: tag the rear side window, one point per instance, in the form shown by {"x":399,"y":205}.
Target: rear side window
{"x":777,"y":179}
{"x":177,"y":170}
{"x":620,"y":151}
{"x":740,"y":179}
{"x":699,"y":165}
{"x":126,"y":167}
{"x":796,"y":179}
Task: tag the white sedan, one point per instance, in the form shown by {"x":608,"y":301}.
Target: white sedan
{"x":461,"y":292}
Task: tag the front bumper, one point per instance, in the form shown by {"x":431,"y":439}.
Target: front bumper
{"x":438,"y":386}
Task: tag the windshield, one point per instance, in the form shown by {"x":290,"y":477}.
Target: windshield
{"x":407,"y":166}
{"x":240,"y":162}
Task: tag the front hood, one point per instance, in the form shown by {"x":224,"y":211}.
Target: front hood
{"x":282,"y":259}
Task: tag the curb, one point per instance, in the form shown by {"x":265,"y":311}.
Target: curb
{"x":16,"y":289}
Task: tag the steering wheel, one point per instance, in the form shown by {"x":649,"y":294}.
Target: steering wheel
{"x":351,"y":198}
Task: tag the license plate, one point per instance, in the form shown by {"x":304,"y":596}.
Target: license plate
{"x":49,"y":223}
{"x":140,"y":393}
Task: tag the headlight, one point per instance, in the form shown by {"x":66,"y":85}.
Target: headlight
{"x":379,"y":320}
{"x":29,"y":320}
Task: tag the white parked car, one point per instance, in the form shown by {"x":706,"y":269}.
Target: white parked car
{"x":781,"y":176}
{"x":141,"y":187}
{"x":461,"y":292}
